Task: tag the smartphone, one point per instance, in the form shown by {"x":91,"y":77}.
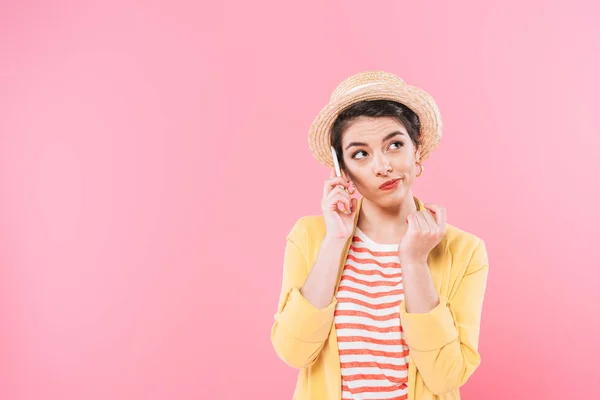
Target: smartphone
{"x":336,"y":163}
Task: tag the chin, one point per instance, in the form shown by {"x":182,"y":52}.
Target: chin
{"x":389,"y":200}
{"x":395,"y":198}
{"x":395,"y":201}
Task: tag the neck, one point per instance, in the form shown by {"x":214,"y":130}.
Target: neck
{"x":387,"y":223}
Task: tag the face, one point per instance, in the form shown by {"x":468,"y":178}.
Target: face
{"x":377,"y":150}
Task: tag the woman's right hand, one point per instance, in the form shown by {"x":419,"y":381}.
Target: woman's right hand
{"x":336,"y":200}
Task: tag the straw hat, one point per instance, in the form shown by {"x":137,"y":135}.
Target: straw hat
{"x":375,"y":85}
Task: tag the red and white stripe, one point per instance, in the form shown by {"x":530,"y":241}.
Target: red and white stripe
{"x":372,"y":347}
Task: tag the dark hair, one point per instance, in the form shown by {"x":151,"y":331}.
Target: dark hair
{"x":375,"y":108}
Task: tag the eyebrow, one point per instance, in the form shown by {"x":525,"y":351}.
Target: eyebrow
{"x":387,"y":137}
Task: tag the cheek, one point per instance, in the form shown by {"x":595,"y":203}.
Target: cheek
{"x":405,"y":163}
{"x":359,"y":179}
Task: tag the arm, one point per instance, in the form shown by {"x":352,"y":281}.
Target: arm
{"x":306,"y":304}
{"x":420,"y":295}
{"x":320,"y":284}
{"x":443,"y":342}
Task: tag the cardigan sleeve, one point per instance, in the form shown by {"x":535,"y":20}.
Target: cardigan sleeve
{"x":443,"y":342}
{"x":300,"y":329}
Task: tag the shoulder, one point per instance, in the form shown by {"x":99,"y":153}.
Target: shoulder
{"x":464,"y":245}
{"x":458,"y":238}
{"x":307,"y":229}
{"x":307,"y":234}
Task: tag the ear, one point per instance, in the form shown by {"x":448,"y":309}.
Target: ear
{"x":344,"y":174}
{"x":418,"y":155}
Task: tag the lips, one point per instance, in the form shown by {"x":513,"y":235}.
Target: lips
{"x":389,"y":183}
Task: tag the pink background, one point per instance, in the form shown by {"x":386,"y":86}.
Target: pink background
{"x":153,"y":156}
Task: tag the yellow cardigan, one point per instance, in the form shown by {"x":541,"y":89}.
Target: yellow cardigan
{"x":443,"y":342}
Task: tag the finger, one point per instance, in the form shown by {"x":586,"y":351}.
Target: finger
{"x":431,"y":222}
{"x":332,"y":183}
{"x":340,"y":194}
{"x":337,"y":180}
{"x":340,"y":203}
{"x":331,"y":175}
{"x":350,"y":189}
{"x":338,"y":190}
{"x":434,"y":208}
{"x":351,"y":185}
{"x":423,"y":225}
{"x":354,"y":203}
{"x":439,"y":213}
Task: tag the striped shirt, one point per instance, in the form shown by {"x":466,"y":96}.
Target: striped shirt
{"x":372,"y":346}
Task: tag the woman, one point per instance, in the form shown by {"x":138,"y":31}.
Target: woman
{"x":381,"y":297}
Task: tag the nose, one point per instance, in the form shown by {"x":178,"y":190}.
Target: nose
{"x":381,"y":165}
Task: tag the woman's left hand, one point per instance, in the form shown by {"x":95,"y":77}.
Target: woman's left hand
{"x":425,"y":230}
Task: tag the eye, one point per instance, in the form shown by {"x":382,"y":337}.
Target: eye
{"x":358,"y":152}
{"x":400,"y":144}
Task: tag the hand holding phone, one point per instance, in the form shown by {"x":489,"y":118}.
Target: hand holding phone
{"x":338,"y":170}
{"x":338,"y":206}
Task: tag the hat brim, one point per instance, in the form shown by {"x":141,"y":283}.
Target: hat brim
{"x":414,"y":98}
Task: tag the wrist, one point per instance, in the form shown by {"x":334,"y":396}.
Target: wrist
{"x":335,"y":241}
{"x":413,"y":262}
